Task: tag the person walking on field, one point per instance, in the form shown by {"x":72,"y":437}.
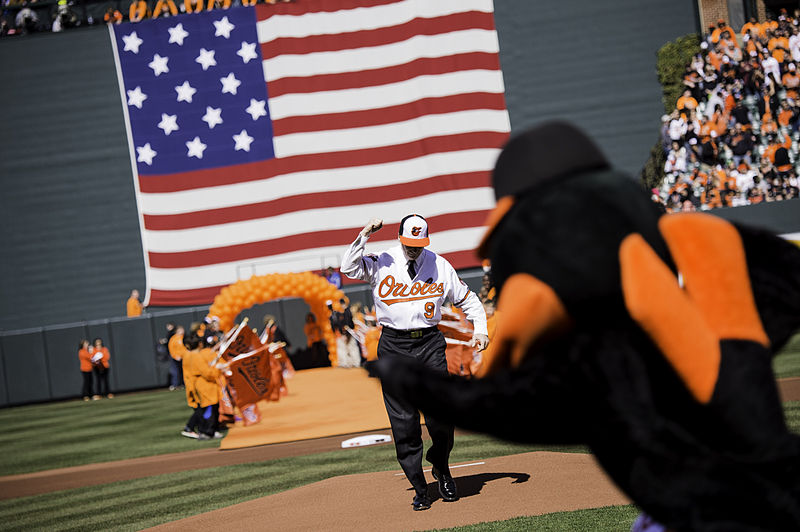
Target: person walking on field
{"x":410,"y":284}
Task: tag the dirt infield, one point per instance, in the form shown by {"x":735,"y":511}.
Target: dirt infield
{"x":495,"y":489}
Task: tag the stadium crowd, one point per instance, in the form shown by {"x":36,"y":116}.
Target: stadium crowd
{"x":21,"y":17}
{"x":733,"y":137}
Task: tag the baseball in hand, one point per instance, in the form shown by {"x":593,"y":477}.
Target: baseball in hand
{"x":372,"y":226}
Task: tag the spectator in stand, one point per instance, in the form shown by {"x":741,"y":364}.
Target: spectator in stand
{"x":333,"y":277}
{"x":27,"y":21}
{"x":741,"y":143}
{"x":791,"y":82}
{"x":677,"y":126}
{"x":787,"y":117}
{"x":771,"y":68}
{"x":794,"y":43}
{"x":85,"y":358}
{"x":134,"y":307}
{"x":100,"y":367}
{"x":686,"y":102}
{"x":750,"y":26}
{"x":176,"y":352}
{"x":138,"y":11}
{"x":112,"y":16}
{"x":164,"y":5}
{"x":676,"y":159}
{"x":719,"y":31}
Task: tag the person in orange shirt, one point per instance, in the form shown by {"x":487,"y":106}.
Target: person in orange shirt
{"x":138,"y":11}
{"x":176,"y":352}
{"x":791,"y":82}
{"x":750,"y":25}
{"x":100,"y":365}
{"x":85,"y":358}
{"x":164,"y":5}
{"x":202,"y":390}
{"x":134,"y":306}
{"x":112,"y":16}
{"x":721,"y":28}
{"x":313,"y":332}
{"x":686,"y":101}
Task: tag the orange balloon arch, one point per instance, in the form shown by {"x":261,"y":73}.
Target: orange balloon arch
{"x":315,"y":290}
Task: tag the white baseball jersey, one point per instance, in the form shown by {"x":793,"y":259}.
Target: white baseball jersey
{"x":405,"y":303}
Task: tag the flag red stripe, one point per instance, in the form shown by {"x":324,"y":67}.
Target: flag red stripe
{"x":425,"y":66}
{"x":379,"y":36}
{"x":288,"y":244}
{"x":388,"y":115}
{"x":179,"y":298}
{"x":262,"y":170}
{"x":202,"y":296}
{"x":264,"y":11}
{"x":317,"y":200}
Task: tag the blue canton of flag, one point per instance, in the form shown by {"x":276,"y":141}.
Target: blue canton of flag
{"x":195,"y":91}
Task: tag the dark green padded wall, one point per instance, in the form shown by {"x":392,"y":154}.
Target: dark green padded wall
{"x":70,"y":230}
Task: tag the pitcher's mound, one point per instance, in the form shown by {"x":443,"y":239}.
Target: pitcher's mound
{"x":495,"y":489}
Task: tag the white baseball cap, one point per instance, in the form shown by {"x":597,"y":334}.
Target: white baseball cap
{"x":414,"y":231}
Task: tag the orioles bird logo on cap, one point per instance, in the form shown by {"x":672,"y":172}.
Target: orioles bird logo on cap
{"x":415,"y":231}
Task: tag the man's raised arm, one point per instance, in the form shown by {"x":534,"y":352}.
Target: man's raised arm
{"x":353,"y":264}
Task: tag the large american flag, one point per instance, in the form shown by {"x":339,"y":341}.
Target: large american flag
{"x":263,"y":139}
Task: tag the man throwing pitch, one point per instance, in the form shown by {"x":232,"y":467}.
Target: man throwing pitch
{"x":410,"y":284}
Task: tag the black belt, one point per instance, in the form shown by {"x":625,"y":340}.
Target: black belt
{"x":409,"y":333}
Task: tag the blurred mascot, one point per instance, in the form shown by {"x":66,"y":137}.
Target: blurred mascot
{"x":648,"y":337}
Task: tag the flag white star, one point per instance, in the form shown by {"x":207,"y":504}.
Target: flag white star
{"x":224,"y":28}
{"x":256,"y":108}
{"x":196,"y":148}
{"x":132,"y":43}
{"x":247,"y":51}
{"x":169,"y":123}
{"x":146,"y":154}
{"x":230,"y":84}
{"x":136,"y":97}
{"x":212,"y":117}
{"x":159,"y":65}
{"x":243,"y":141}
{"x":206,"y":58}
{"x":185,"y":92}
{"x":177,"y":34}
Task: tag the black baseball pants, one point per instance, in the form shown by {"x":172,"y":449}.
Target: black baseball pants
{"x":426,"y":346}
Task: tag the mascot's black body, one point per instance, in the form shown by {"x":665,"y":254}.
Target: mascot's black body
{"x":648,"y":337}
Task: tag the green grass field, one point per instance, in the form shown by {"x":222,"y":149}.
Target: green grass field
{"x":48,"y":436}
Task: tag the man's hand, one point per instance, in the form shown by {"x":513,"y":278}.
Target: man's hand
{"x":479,"y":341}
{"x":372,"y":226}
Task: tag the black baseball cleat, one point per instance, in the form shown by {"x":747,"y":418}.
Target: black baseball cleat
{"x":421,"y":502}
{"x":447,"y":486}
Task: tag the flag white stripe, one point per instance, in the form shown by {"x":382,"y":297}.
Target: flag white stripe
{"x":345,"y":180}
{"x":298,"y":261}
{"x":334,"y":140}
{"x":387,"y":55}
{"x":363,"y":18}
{"x":312,"y":220}
{"x":407,"y":91}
